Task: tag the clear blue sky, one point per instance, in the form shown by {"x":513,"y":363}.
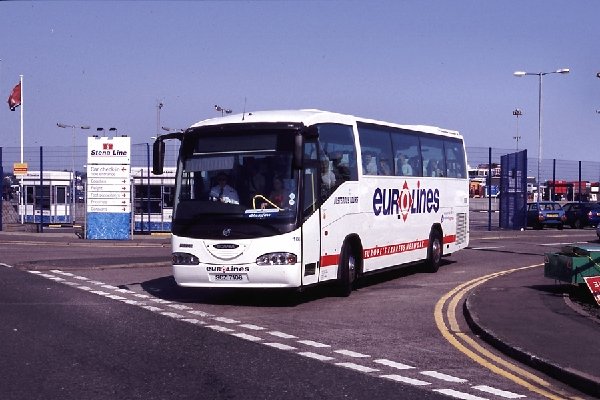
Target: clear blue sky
{"x":444,"y":63}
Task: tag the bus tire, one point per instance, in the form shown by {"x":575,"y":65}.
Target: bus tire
{"x":434,"y":251}
{"x":347,"y":270}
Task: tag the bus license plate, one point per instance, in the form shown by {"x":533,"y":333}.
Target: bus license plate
{"x":230,"y":278}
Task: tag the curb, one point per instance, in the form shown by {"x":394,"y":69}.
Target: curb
{"x":576,"y":379}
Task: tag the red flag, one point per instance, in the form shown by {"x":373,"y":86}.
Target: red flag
{"x":14,"y":100}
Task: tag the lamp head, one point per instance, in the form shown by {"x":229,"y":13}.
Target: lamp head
{"x":519,"y":73}
{"x":563,"y":71}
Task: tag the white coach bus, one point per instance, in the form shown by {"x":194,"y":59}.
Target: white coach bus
{"x":287,"y":199}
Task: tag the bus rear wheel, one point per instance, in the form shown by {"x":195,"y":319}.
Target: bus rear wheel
{"x":434,"y":251}
{"x":347,"y":271}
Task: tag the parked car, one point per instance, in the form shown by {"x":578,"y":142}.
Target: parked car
{"x":580,"y":215}
{"x":549,"y":213}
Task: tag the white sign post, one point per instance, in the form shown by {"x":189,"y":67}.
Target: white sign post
{"x":108,"y":200}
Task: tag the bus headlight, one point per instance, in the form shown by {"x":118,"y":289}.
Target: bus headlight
{"x":277,"y":259}
{"x":184,"y":259}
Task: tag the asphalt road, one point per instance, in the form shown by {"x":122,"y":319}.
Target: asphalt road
{"x":104,"y":320}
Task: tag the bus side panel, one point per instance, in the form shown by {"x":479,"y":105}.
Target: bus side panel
{"x":340,"y":216}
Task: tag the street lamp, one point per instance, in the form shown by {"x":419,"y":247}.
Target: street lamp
{"x":517,"y":113}
{"x":72,"y":164}
{"x":540,"y":75}
{"x":223,"y":110}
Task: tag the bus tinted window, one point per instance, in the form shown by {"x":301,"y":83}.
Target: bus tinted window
{"x":432,"y":151}
{"x":407,"y":157}
{"x":376,"y":148}
{"x":455,"y":159}
{"x":337,"y":145}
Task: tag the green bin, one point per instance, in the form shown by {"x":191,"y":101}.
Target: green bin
{"x":573,"y":262}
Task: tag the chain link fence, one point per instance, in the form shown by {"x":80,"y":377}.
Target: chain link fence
{"x":69,"y":158}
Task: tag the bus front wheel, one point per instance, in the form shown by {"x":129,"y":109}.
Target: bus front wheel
{"x":347,"y":271}
{"x":434,"y":251}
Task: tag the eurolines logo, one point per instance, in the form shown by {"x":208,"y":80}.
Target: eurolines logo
{"x":406,"y":201}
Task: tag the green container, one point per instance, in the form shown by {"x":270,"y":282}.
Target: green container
{"x":573,"y":262}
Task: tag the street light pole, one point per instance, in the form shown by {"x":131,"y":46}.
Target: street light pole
{"x":540,"y":75}
{"x":72,"y":164}
{"x":517,"y":113}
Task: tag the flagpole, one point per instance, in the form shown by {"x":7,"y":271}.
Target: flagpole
{"x":21,"y":81}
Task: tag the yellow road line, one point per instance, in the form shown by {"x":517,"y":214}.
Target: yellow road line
{"x":476,"y":352}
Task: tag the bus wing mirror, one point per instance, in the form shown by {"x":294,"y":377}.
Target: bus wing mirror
{"x":158,"y":157}
{"x":298,"y":151}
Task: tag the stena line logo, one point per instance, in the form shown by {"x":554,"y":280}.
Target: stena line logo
{"x":406,"y":201}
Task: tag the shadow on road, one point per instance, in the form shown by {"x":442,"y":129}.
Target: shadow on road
{"x":167,"y":289}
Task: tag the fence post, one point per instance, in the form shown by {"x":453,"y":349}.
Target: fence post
{"x":579,"y":182}
{"x":489,"y":188}
{"x":148,"y":183}
{"x":1,"y":190}
{"x":553,"y":180}
{"x":41,"y":196}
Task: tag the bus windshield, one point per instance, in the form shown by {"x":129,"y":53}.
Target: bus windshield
{"x":242,"y":180}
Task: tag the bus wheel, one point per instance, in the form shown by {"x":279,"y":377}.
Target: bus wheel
{"x":346,"y":271}
{"x":434,"y":252}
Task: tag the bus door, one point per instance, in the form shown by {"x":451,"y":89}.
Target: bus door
{"x":311,"y":215}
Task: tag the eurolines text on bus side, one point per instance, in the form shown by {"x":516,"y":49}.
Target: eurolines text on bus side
{"x":406,"y":201}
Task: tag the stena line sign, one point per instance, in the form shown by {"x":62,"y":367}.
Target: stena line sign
{"x":116,"y":150}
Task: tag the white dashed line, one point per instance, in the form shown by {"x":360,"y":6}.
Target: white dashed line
{"x":404,"y":379}
{"x":226,"y":320}
{"x":200,"y":313}
{"x":443,"y":377}
{"x":316,"y":356}
{"x":350,"y":353}
{"x":313,"y":344}
{"x":357,"y":367}
{"x":281,"y":346}
{"x":393,"y":364}
{"x":458,"y":395}
{"x":245,"y":336}
{"x":252,"y":327}
{"x":193,"y":321}
{"x":171,"y":314}
{"x":498,"y":392}
{"x":282,"y":335}
{"x":219,"y":328}
{"x":180,"y":307}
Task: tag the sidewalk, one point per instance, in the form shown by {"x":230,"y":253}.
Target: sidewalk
{"x":530,"y":318}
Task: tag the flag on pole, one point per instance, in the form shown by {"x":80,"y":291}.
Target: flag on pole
{"x":14,"y":100}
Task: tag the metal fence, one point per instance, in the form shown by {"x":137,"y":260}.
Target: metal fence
{"x":68,"y":158}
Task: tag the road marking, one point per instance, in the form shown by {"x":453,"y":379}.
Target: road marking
{"x":281,"y":346}
{"x":219,"y":328}
{"x":458,"y":395}
{"x":252,"y":327}
{"x":247,"y":337}
{"x":393,"y":364}
{"x":226,"y":320}
{"x":350,"y":353}
{"x":282,"y":335}
{"x":199,"y":313}
{"x":404,"y":379}
{"x":356,"y":367}
{"x":486,"y":248}
{"x":452,"y":334}
{"x":193,"y":321}
{"x":313,"y":344}
{"x":316,"y":356}
{"x":171,"y":314}
{"x":443,"y":377}
{"x":498,"y":392}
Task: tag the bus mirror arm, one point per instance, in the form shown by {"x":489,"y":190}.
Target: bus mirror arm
{"x":298,"y":151}
{"x":158,"y":156}
{"x":158,"y":151}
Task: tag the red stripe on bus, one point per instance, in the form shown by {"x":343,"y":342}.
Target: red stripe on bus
{"x":333,"y":259}
{"x":449,"y":239}
{"x":329,"y":260}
